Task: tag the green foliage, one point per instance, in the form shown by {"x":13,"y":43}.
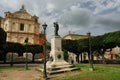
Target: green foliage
{"x":66,"y":55}
{"x":33,"y":48}
{"x":13,"y":47}
{"x":19,"y":48}
{"x":3,"y":36}
{"x":82,"y":45}
{"x":98,"y":43}
{"x":70,"y":45}
{"x":48,"y":46}
{"x":95,"y":53}
{"x":112,"y":39}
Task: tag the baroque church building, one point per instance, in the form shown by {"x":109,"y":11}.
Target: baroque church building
{"x":21,"y":25}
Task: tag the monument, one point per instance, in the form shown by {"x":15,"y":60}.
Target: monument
{"x":56,"y":63}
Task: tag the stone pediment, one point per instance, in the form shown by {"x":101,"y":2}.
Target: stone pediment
{"x":22,"y":14}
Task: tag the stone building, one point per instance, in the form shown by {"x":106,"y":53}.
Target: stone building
{"x":113,"y":54}
{"x":21,"y":25}
{"x":74,"y":36}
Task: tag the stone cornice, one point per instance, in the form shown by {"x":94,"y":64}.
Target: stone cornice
{"x":22,"y":33}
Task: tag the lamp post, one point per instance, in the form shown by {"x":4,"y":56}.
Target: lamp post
{"x":44,"y":50}
{"x":91,"y":61}
{"x":26,"y":60}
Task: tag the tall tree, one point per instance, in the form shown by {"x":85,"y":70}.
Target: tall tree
{"x":3,"y":36}
{"x":34,"y":49}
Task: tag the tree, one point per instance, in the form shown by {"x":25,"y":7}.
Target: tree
{"x":3,"y":36}
{"x":110,"y":41}
{"x":65,"y":55}
{"x":13,"y":48}
{"x":34,"y":49}
{"x":72,"y":46}
{"x":9,"y":47}
{"x":82,"y":46}
{"x":99,"y":44}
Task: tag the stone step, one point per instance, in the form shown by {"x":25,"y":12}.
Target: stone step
{"x":62,"y":70}
{"x":60,"y":67}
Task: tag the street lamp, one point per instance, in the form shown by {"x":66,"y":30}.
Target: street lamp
{"x":26,"y":60}
{"x":91,"y":61}
{"x":44,"y":50}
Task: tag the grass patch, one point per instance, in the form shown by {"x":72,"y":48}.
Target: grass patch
{"x":102,"y":72}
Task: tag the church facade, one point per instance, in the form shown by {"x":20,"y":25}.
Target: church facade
{"x":21,"y":25}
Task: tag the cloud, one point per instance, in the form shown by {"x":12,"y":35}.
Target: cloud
{"x":60,"y":5}
{"x":77,"y":16}
{"x":111,"y":21}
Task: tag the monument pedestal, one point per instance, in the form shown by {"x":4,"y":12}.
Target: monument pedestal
{"x":57,"y":64}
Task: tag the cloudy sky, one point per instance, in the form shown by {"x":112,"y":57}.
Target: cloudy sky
{"x":76,"y":16}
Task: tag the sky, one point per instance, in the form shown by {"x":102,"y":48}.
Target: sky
{"x":74,"y":16}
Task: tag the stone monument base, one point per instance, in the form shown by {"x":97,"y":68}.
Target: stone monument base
{"x":59,"y":67}
{"x":57,"y":64}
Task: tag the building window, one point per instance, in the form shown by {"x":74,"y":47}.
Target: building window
{"x":21,"y":27}
{"x":29,"y":27}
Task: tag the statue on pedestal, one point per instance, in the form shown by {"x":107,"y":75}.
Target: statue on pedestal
{"x":56,"y":62}
{"x":56,"y":28}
